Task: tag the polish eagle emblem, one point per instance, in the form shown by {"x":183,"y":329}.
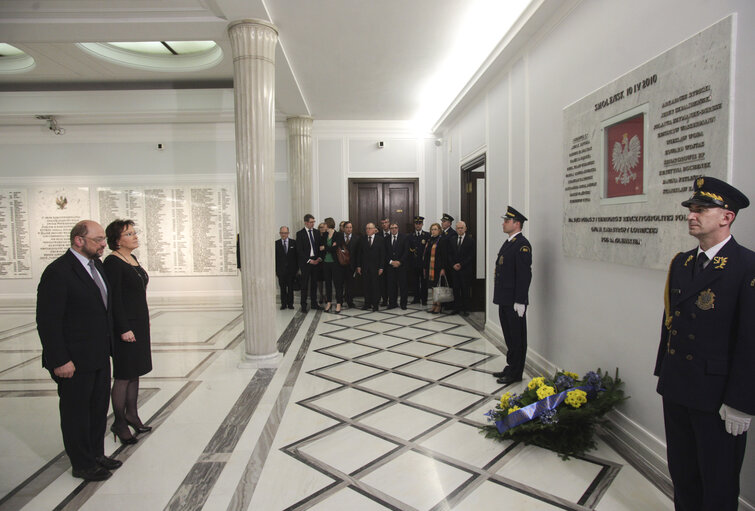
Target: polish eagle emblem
{"x":61,"y":202}
{"x":626,"y":158}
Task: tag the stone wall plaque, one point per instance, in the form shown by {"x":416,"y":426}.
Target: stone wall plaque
{"x":633,"y":148}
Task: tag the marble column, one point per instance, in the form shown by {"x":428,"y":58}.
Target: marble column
{"x":300,"y":168}
{"x":253,"y":44}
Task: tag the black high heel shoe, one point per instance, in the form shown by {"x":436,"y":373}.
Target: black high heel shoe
{"x":124,"y":440}
{"x":138,"y":428}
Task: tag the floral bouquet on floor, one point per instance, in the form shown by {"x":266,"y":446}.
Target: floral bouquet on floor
{"x":559,"y":414}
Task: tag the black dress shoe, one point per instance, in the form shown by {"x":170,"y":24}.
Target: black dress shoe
{"x":384,"y":304}
{"x":108,"y":463}
{"x":500,"y":374}
{"x":283,"y":307}
{"x":365,"y":307}
{"x":416,"y":300}
{"x":96,"y":473}
{"x":303,"y":308}
{"x":424,"y":303}
{"x":465,"y":313}
{"x":351,"y":305}
{"x":375,"y":309}
{"x":392,"y":307}
{"x":403,"y":307}
{"x":507,"y":379}
{"x":316,"y":307}
{"x":290,"y":306}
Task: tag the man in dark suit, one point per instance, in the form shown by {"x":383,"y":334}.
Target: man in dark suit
{"x":513,"y":274}
{"x":351,"y":242}
{"x":706,"y":355}
{"x":385,"y":232}
{"x":371,"y":264}
{"x":417,"y":243}
{"x":286,"y":266}
{"x":397,"y":259}
{"x":308,"y":251}
{"x":75,"y":326}
{"x":463,"y":262}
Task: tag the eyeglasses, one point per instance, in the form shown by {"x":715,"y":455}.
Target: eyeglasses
{"x":98,"y":240}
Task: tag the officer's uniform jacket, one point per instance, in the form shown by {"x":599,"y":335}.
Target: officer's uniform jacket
{"x":707,"y":351}
{"x":417,"y":246}
{"x":513,"y":272}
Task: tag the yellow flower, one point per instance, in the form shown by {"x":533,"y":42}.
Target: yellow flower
{"x":536,"y":382}
{"x":576,"y":398}
{"x":545,"y":391}
{"x":573,"y":376}
{"x":505,"y":400}
{"x":512,"y":410}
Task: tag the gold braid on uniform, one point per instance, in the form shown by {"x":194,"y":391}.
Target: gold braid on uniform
{"x":666,"y":297}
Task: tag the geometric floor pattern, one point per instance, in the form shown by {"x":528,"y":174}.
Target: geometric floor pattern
{"x":364,"y":411}
{"x":407,"y":395}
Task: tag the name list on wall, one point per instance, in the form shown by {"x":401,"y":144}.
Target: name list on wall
{"x":187,"y":230}
{"x":15,"y":245}
{"x":633,"y":148}
{"x":54,"y":213}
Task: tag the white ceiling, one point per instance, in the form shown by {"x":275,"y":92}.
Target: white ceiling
{"x":337,"y":59}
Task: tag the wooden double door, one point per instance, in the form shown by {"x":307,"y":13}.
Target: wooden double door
{"x":373,"y":199}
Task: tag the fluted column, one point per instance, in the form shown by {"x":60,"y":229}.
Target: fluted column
{"x":253,"y":44}
{"x":300,"y":166}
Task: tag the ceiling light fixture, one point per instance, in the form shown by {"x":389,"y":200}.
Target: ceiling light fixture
{"x":52,"y":124}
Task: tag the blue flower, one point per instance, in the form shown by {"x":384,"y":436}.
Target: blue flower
{"x":593,"y":379}
{"x":515,"y":400}
{"x":549,"y":417}
{"x":564,"y":382}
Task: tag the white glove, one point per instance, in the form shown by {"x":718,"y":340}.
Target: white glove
{"x":736,"y":421}
{"x":520,"y":308}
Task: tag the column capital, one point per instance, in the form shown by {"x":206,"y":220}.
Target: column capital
{"x":300,"y":125}
{"x":252,"y":21}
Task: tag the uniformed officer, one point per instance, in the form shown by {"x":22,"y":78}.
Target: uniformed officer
{"x":513,"y":273}
{"x":417,"y":243}
{"x":445,"y":224}
{"x":706,"y":356}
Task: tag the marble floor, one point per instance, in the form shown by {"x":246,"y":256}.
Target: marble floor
{"x":366,"y":410}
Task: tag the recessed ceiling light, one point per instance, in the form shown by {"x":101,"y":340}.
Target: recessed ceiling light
{"x":165,"y":56}
{"x":13,"y":60}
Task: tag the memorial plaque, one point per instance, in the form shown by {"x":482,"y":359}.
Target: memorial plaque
{"x":15,"y":245}
{"x":54,"y":213}
{"x":633,"y":148}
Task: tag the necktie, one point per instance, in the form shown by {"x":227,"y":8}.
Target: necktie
{"x":285,"y":246}
{"x":394,"y":242}
{"x":311,"y":243}
{"x":370,"y":240}
{"x":458,"y":243}
{"x":700,"y":263}
{"x":98,"y":281}
{"x":348,"y":237}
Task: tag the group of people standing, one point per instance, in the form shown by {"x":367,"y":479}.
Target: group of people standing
{"x":387,"y":260}
{"x":88,"y":312}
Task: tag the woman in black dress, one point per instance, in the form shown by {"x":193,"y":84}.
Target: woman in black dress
{"x":436,"y":257}
{"x":131,"y":346}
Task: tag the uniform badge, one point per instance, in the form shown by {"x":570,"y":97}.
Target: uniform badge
{"x":690,"y":258}
{"x":423,"y":242}
{"x":524,"y":249}
{"x":752,"y":283}
{"x":705,"y":300}
{"x":719,"y":262}
{"x":500,"y":259}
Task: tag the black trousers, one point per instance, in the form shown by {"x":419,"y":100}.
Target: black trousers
{"x":703,"y":459}
{"x":348,"y":280}
{"x":371,"y":284}
{"x":333,"y":277}
{"x":461,"y":291}
{"x":84,"y":400}
{"x":286,"y":283}
{"x":515,"y":334}
{"x":397,"y":285}
{"x":309,"y":283}
{"x":420,"y":284}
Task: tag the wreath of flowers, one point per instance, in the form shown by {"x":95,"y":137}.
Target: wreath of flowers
{"x":560,"y":413}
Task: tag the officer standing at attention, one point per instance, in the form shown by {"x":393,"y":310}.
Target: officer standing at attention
{"x":513,"y":273}
{"x":418,"y":242}
{"x":706,"y":356}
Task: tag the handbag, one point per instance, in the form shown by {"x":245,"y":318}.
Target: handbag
{"x":441,"y":293}
{"x":344,"y":258}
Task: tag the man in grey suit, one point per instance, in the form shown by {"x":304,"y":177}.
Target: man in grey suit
{"x":74,"y":322}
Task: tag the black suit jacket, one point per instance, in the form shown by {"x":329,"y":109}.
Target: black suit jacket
{"x":372,"y":258}
{"x":303,"y":246}
{"x":465,"y":255}
{"x":707,"y":350}
{"x":285,"y":263}
{"x":72,"y":322}
{"x":398,"y":253}
{"x":417,"y":246}
{"x":354,"y":245}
